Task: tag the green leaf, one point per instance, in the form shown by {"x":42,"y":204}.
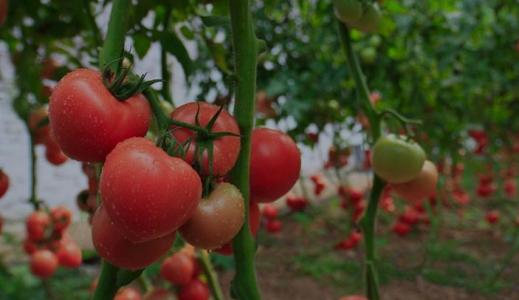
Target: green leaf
{"x":124,"y":277}
{"x":142,"y":44}
{"x":216,"y":21}
{"x":172,"y":44}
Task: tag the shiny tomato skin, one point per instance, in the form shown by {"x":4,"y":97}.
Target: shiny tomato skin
{"x":88,"y":121}
{"x":147,"y":193}
{"x":4,"y":183}
{"x":128,"y":293}
{"x":38,"y":225}
{"x":421,"y":187}
{"x":61,"y":217}
{"x":275,"y":164}
{"x":195,"y":290}
{"x":69,"y":255}
{"x":225,"y":149}
{"x":217,"y":219}
{"x":396,"y":159}
{"x":270,"y":211}
{"x":178,"y":269}
{"x":111,"y":245}
{"x":274,"y":226}
{"x":43,"y":263}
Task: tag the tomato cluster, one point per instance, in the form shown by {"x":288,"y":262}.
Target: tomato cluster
{"x":48,"y":242}
{"x":43,"y":135}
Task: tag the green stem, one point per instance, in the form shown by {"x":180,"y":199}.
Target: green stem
{"x":92,"y":23}
{"x":244,"y":286}
{"x":162,"y":118}
{"x":368,"y":222}
{"x":166,"y":74}
{"x":34,"y":179}
{"x":114,"y":44}
{"x":145,"y":282}
{"x":106,"y":286}
{"x":211,"y":275}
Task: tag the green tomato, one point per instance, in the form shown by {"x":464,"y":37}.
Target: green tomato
{"x":370,"y":20}
{"x":368,"y":55}
{"x":348,"y":10}
{"x":397,"y":159}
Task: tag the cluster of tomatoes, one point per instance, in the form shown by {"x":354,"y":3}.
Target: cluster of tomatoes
{"x":337,"y":158}
{"x":150,"y":192}
{"x":272,"y":224}
{"x":319,"y":184}
{"x":43,"y":135}
{"x":48,"y":242}
{"x":364,"y":16}
{"x":86,"y":200}
{"x":481,"y":139}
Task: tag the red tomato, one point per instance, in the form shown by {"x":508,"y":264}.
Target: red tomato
{"x":410,"y":216}
{"x":270,"y":211}
{"x":160,"y":195}
{"x":485,"y":190}
{"x":225,"y":149}
{"x":88,"y":121}
{"x":38,"y":225}
{"x":39,"y":133}
{"x":111,"y":245}
{"x":55,"y":157}
{"x":43,"y":263}
{"x":387,"y":204}
{"x":492,"y":217}
{"x":128,"y":293}
{"x":402,"y":229}
{"x":4,"y":183}
{"x":461,"y":197}
{"x":61,"y":217}
{"x":485,"y":179}
{"x":510,"y":187}
{"x":69,"y":255}
{"x":296,"y":203}
{"x":217,"y":219}
{"x":351,"y":242}
{"x":178,"y":269}
{"x":358,"y":210}
{"x":195,"y":290}
{"x":274,"y":226}
{"x":29,"y":246}
{"x":421,"y":187}
{"x":275,"y":164}
{"x":49,"y":67}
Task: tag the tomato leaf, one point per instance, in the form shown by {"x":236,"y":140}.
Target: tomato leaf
{"x":172,"y":44}
{"x":216,"y":21}
{"x":142,"y":44}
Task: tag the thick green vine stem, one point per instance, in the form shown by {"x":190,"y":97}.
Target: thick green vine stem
{"x":106,"y":286}
{"x":113,"y":47}
{"x":368,"y":222}
{"x":164,"y":67}
{"x":210,"y":273}
{"x":244,"y":286}
{"x":34,"y":180}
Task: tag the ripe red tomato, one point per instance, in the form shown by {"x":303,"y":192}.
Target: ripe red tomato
{"x":55,"y":157}
{"x":492,"y":217}
{"x":111,"y":245}
{"x":217,"y":219}
{"x":275,"y":164}
{"x":178,"y":269}
{"x":270,"y":211}
{"x":4,"y":183}
{"x":43,"y":263}
{"x":296,"y":203}
{"x":461,"y":197}
{"x":29,"y":246}
{"x":421,"y":187}
{"x":88,"y":121}
{"x":485,"y":190}
{"x":396,"y":159}
{"x":128,"y":293}
{"x":225,"y":149}
{"x":38,"y":225}
{"x":387,"y":204}
{"x":410,"y":216}
{"x":509,"y":186}
{"x":61,"y":218}
{"x":69,"y":254}
{"x":274,"y":226}
{"x":160,"y":195}
{"x":195,"y":290}
{"x":402,"y":229}
{"x":351,"y":242}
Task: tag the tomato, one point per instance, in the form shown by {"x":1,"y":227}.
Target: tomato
{"x":485,"y":190}
{"x":387,"y":204}
{"x":178,"y":269}
{"x":49,"y":67}
{"x":128,"y":293}
{"x":274,"y":166}
{"x":370,"y":19}
{"x":69,"y":254}
{"x":111,"y":245}
{"x":29,"y":246}
{"x":461,"y":197}
{"x":43,"y":263}
{"x":195,"y":290}
{"x":55,"y":157}
{"x":353,"y":297}
{"x":225,"y":149}
{"x":158,"y":197}
{"x":402,"y":229}
{"x":39,"y":133}
{"x":4,"y":8}
{"x":217,"y":219}
{"x":351,"y":242}
{"x":4,"y":183}
{"x":368,"y":55}
{"x":358,"y":210}
{"x":492,"y":217}
{"x":296,"y":203}
{"x":421,"y":187}
{"x":396,"y":159}
{"x":264,"y":105}
{"x":510,"y":187}
{"x":61,"y":217}
{"x":410,"y":216}
{"x":347,"y":10}
{"x":88,"y":121}
{"x":38,"y":225}
{"x":270,"y":211}
{"x":160,"y":294}
{"x":274,"y":226}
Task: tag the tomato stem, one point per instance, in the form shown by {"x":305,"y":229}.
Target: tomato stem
{"x":166,"y":74}
{"x":368,"y":222}
{"x":245,"y":48}
{"x":114,"y":44}
{"x":34,"y":180}
{"x":210,"y":273}
{"x":106,"y":286}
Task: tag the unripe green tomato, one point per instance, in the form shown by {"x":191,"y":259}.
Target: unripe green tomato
{"x":348,"y":10}
{"x":370,"y":19}
{"x":375,"y":41}
{"x":397,"y":159}
{"x":368,"y":55}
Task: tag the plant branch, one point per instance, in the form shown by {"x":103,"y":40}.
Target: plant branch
{"x":166,"y":74}
{"x":113,"y":46}
{"x":210,"y":273}
{"x":106,"y":287}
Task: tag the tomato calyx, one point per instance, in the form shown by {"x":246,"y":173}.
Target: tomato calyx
{"x":125,"y":84}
